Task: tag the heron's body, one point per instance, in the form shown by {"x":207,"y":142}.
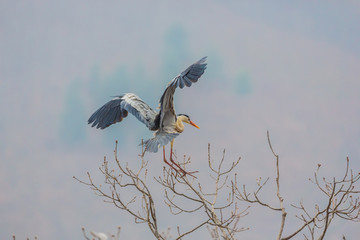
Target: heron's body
{"x":166,"y":123}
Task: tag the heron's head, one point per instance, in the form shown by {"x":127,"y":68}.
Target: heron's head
{"x":185,"y":118}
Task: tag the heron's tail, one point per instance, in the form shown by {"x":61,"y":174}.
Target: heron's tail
{"x":160,"y":139}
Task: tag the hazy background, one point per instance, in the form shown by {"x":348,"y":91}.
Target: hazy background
{"x":288,"y":67}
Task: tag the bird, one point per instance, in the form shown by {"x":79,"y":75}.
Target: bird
{"x":166,"y":124}
{"x":99,"y":235}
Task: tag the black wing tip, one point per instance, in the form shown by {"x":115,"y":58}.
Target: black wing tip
{"x":102,"y":124}
{"x":202,"y":63}
{"x":92,"y":120}
{"x":108,"y":114}
{"x":202,"y":60}
{"x":197,"y":69}
{"x":95,"y":124}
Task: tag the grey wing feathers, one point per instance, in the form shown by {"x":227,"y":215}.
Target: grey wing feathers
{"x":108,"y":114}
{"x":186,"y":78}
{"x":161,"y":139}
{"x":143,"y":112}
{"x":190,"y":75}
{"x":116,"y":109}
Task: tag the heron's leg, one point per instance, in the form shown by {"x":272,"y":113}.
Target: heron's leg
{"x":176,"y":170}
{"x":171,"y":154}
{"x":177,"y":165}
{"x":171,"y":151}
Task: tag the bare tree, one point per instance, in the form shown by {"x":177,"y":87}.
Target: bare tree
{"x":342,"y":201}
{"x":222,"y":220}
{"x":122,"y":180}
{"x":221,"y":216}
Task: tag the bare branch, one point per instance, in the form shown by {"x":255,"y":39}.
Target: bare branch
{"x":281,"y":200}
{"x":219,"y":206}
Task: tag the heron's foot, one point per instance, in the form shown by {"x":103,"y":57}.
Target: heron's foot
{"x":181,"y":170}
{"x":171,"y":165}
{"x":188,"y":173}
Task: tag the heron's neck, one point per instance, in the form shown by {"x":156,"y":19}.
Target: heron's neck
{"x":179,"y":126}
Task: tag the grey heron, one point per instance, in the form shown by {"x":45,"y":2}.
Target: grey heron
{"x":166,"y":124}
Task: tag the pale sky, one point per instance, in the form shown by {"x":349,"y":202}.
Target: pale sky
{"x":290,"y":68}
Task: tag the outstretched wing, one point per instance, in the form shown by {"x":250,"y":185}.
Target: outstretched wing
{"x":117,"y":109}
{"x":186,"y":78}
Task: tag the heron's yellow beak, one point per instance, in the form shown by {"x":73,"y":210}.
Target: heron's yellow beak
{"x":192,"y":123}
